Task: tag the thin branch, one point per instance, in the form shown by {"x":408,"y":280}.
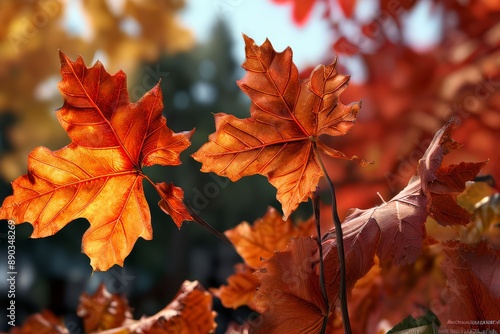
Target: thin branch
{"x":207,"y":226}
{"x":340,"y":248}
{"x":315,"y":203}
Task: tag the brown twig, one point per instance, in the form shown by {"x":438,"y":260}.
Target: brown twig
{"x":340,"y":249}
{"x":322,"y":284}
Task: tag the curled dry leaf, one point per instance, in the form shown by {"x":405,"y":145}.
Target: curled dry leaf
{"x":189,"y":313}
{"x":441,"y":185}
{"x":394,"y":231}
{"x":103,"y":310}
{"x":98,"y":176}
{"x":172,"y":202}
{"x":281,"y":139}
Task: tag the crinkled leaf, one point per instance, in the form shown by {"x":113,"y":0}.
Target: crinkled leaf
{"x":395,"y":230}
{"x":189,"y":312}
{"x":103,"y":310}
{"x":450,"y":181}
{"x":172,"y":202}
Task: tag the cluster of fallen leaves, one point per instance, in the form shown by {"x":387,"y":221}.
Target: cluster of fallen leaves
{"x":189,"y":312}
{"x":285,"y":139}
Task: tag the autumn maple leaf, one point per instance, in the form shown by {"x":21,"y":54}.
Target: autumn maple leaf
{"x":259,"y":241}
{"x":99,"y":175}
{"x":281,"y":139}
{"x":254,"y":243}
{"x":44,"y":322}
{"x":240,"y":289}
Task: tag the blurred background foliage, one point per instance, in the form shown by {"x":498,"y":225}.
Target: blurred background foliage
{"x":409,"y":88}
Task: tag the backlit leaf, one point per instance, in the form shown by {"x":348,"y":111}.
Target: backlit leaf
{"x":281,"y":139}
{"x":268,"y":234}
{"x":240,"y":289}
{"x":98,"y":176}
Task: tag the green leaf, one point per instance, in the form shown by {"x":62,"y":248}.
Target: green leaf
{"x":426,"y":324}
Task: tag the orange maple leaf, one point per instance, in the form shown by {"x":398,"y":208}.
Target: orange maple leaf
{"x":255,"y":243}
{"x":240,"y":289}
{"x":281,"y":139}
{"x":99,"y":175}
{"x":259,"y":241}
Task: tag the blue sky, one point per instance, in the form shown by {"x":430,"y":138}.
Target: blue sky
{"x":311,"y":43}
{"x":260,"y":19}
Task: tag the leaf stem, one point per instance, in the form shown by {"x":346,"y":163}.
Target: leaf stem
{"x":198,"y":219}
{"x":207,"y":226}
{"x":316,"y":209}
{"x":340,"y":248}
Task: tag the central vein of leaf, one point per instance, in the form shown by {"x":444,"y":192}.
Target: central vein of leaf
{"x":290,"y":111}
{"x":264,"y":145}
{"x":103,"y":116}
